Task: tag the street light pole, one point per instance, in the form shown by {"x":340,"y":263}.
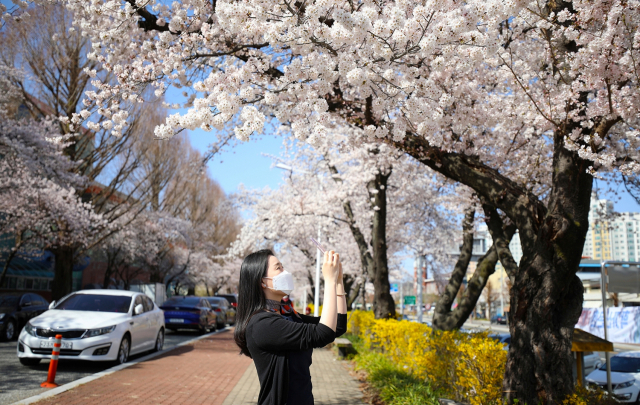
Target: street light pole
{"x":316,"y":295}
{"x":421,"y":262}
{"x":402,"y":298}
{"x":603,"y":288}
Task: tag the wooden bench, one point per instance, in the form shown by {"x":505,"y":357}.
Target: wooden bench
{"x":344,"y":346}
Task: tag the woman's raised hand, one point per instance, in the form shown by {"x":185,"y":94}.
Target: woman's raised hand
{"x":331,"y":266}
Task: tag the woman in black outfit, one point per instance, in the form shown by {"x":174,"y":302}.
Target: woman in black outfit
{"x":278,"y":339}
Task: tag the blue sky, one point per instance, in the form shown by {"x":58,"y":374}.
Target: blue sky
{"x":243,"y":163}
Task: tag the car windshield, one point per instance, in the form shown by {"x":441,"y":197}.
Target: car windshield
{"x":8,"y":300}
{"x":184,"y":302}
{"x":96,"y":302}
{"x":624,"y":364}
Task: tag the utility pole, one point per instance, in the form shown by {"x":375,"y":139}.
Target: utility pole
{"x":401,"y":299}
{"x":421,"y":264}
{"x":316,"y":295}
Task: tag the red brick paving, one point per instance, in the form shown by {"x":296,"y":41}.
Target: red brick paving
{"x":203,"y":372}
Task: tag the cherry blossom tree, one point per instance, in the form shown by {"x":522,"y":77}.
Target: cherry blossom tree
{"x":501,"y":96}
{"x":38,"y":203}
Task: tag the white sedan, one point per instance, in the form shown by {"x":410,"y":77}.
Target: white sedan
{"x":625,"y":377}
{"x":97,"y":325}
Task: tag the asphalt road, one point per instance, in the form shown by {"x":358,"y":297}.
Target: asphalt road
{"x":18,"y":382}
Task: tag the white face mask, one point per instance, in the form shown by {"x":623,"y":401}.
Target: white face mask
{"x":282,"y":282}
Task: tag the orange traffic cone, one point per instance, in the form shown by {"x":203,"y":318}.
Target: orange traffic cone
{"x":53,"y":365}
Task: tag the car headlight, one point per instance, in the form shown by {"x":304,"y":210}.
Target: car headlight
{"x":1,"y":316}
{"x":100,"y":331}
{"x":625,"y":384}
{"x":30,"y":329}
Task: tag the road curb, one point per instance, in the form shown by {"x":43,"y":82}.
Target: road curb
{"x":84,"y":380}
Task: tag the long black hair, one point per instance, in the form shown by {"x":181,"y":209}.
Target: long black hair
{"x":250,"y":295}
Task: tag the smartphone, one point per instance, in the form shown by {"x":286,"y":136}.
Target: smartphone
{"x":315,"y":242}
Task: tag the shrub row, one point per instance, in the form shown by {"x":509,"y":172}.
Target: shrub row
{"x":461,"y":366}
{"x":466,"y":367}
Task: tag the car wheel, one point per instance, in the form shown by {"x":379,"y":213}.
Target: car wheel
{"x":29,"y":362}
{"x":123,"y":351}
{"x":159,"y":341}
{"x":9,"y":330}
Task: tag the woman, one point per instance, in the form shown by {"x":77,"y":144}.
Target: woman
{"x":278,"y":339}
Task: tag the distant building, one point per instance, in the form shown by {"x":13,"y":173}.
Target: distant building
{"x":611,"y":235}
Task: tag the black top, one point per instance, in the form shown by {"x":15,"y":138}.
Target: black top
{"x":281,"y":349}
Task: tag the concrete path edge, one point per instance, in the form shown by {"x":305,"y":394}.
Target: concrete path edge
{"x":84,"y":380}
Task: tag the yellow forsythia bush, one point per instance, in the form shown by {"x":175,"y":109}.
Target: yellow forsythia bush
{"x":465,"y":367}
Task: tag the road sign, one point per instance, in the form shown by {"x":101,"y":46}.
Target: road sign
{"x":394,"y":288}
{"x":410,"y":300}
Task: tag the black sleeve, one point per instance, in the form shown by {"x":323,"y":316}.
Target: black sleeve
{"x":310,"y":319}
{"x":271,"y":332}
{"x":341,"y":326}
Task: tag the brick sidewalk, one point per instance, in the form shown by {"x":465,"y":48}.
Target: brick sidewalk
{"x":200,"y":373}
{"x":208,"y":371}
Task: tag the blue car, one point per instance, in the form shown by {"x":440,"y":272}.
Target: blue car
{"x":187,"y":312}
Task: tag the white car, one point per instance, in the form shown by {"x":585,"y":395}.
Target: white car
{"x":625,"y":377}
{"x":97,"y":325}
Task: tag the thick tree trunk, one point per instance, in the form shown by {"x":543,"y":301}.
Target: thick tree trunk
{"x":383,"y":304}
{"x":63,"y":272}
{"x":546,"y":297}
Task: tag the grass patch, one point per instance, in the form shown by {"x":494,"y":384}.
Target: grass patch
{"x":393,"y":385}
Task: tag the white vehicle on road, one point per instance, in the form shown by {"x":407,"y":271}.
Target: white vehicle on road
{"x":97,"y":325}
{"x":625,"y":377}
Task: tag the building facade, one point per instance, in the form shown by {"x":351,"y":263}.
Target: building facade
{"x":611,"y":235}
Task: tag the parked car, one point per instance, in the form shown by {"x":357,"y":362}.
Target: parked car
{"x":625,"y":377}
{"x":226,"y":313}
{"x":232,"y":298}
{"x":499,"y":319}
{"x":502,"y":338}
{"x":188,"y":312}
{"x":15,"y":311}
{"x":96,"y":325}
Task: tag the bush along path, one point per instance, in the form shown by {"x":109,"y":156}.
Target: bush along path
{"x":408,"y":363}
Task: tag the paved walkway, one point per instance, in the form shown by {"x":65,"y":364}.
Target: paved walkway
{"x":332,"y":384}
{"x":208,"y":371}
